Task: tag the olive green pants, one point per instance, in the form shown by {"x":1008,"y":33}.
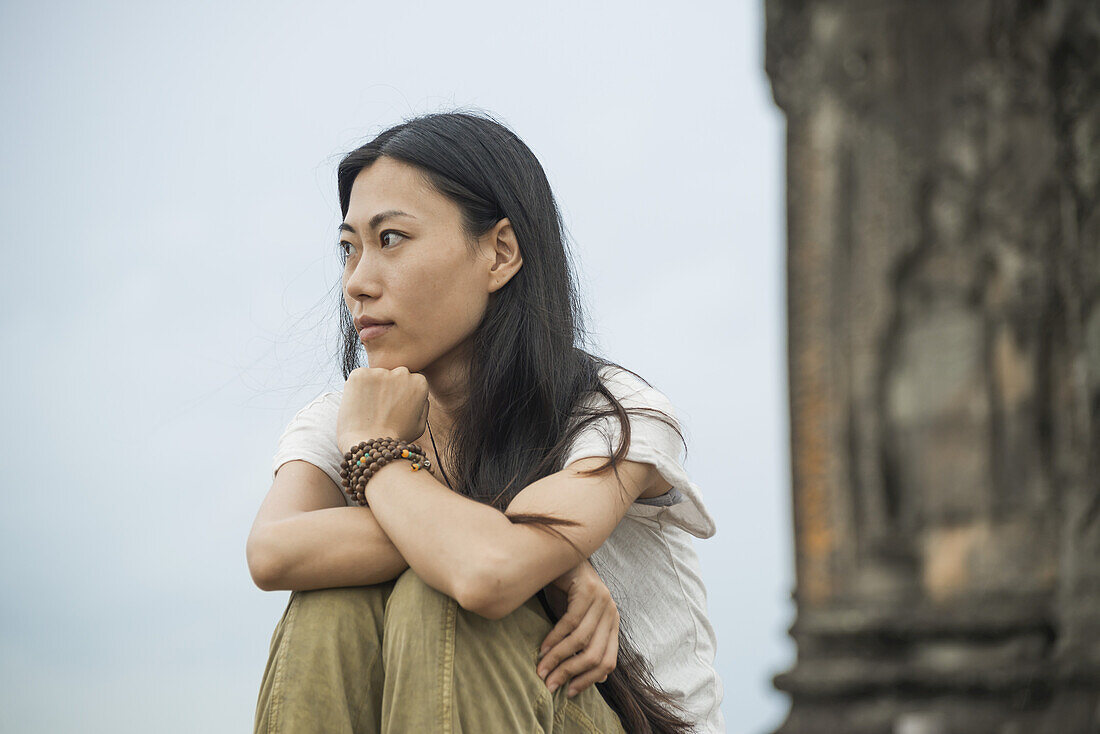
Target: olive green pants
{"x":403,"y":657}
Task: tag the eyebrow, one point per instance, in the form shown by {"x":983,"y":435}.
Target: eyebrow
{"x":376,"y":220}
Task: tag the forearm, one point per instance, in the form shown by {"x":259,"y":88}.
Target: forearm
{"x":463,"y":548}
{"x":449,"y":540}
{"x":336,"y":546}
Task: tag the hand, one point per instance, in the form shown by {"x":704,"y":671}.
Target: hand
{"x":379,"y":402}
{"x":584,"y":644}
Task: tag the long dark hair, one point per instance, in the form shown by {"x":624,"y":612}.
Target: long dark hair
{"x":528,"y":374}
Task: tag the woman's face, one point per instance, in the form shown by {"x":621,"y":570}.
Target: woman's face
{"x":416,"y":269}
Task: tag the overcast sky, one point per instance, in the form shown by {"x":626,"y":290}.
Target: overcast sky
{"x":169,"y":285}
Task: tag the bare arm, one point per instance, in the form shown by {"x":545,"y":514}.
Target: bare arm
{"x":475,"y":554}
{"x":306,"y":537}
{"x":337,"y":546}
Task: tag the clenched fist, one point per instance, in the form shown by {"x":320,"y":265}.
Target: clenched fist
{"x":379,"y":402}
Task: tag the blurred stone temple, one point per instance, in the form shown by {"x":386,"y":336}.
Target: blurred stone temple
{"x":943,"y":172}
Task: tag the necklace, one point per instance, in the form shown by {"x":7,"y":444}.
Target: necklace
{"x":437,"y":461}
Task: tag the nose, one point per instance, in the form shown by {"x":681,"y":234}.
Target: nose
{"x":365,"y":278}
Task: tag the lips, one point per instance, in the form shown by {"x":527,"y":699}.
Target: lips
{"x":362,"y":322}
{"x":372,"y":330}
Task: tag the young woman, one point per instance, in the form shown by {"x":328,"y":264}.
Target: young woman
{"x":540,"y":575}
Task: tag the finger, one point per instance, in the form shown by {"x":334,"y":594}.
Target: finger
{"x":594,"y":666}
{"x":566,"y":624}
{"x":587,"y":651}
{"x":609,"y":660}
{"x":600,"y":674}
{"x":574,"y":641}
{"x":612,"y":659}
{"x":614,"y":648}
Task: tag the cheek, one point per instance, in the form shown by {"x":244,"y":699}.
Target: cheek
{"x":450,"y":302}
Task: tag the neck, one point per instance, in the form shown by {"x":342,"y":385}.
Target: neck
{"x":447,"y":390}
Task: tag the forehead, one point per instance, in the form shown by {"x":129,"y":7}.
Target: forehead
{"x":389,"y":184}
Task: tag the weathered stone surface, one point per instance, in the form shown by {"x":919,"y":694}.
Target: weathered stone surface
{"x":943,"y":172}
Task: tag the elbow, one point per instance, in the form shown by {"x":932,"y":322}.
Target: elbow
{"x":488,"y":593}
{"x":264,"y":578}
{"x":261,"y":564}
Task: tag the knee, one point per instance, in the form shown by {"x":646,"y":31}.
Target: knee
{"x":348,"y":604}
{"x":411,"y":590}
{"x":414,"y":601}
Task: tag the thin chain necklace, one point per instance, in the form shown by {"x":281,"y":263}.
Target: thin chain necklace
{"x":437,"y":460}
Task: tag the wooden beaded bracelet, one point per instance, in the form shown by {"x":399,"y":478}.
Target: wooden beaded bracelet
{"x":367,"y":457}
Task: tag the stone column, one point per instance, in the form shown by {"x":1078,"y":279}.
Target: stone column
{"x":943,"y":171}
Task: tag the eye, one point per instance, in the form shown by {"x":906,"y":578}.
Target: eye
{"x":382,"y":235}
{"x":344,"y":246}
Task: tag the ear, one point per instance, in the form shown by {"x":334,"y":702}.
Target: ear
{"x":504,"y":254}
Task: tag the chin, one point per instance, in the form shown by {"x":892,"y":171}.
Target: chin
{"x":379,"y":362}
{"x":387,"y":362}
